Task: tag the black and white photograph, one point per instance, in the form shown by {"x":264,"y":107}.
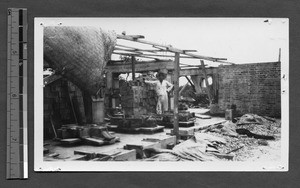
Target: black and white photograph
{"x":161,"y":94}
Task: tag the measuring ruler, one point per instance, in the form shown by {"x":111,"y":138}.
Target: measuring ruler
{"x":17,"y":148}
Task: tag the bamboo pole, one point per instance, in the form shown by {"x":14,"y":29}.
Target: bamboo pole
{"x":176,"y":95}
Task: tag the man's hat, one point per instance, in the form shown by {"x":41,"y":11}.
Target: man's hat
{"x":162,"y":71}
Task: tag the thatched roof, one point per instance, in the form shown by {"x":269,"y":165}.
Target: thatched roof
{"x":80,"y":53}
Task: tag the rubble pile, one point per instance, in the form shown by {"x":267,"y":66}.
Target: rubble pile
{"x":259,"y":125}
{"x":243,"y":145}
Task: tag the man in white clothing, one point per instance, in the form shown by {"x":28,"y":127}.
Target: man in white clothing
{"x":162,"y":87}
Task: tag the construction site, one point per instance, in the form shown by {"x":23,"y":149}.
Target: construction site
{"x":107,"y":101}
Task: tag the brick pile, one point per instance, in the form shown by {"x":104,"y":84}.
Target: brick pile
{"x":137,"y":98}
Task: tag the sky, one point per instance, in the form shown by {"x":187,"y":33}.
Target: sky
{"x":240,"y":40}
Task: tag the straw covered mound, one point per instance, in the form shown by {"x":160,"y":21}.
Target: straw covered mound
{"x":79,"y":53}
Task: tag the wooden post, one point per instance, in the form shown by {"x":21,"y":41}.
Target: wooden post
{"x":279,"y":56}
{"x":176,"y":95}
{"x":109,"y":80}
{"x":206,"y":82}
{"x":133,"y":67}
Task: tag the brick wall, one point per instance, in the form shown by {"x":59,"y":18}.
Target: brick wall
{"x":253,"y":88}
{"x":57,"y":104}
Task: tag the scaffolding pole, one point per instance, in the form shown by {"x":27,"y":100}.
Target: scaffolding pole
{"x":176,"y":95}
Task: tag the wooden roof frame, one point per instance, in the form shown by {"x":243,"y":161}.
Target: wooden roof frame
{"x":132,"y":51}
{"x":178,"y":53}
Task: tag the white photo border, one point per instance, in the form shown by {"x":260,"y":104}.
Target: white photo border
{"x":41,"y":165}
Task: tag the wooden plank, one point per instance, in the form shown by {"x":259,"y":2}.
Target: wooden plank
{"x":176,"y":95}
{"x":120,"y":154}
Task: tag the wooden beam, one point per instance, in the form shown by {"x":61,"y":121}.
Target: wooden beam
{"x":121,"y":67}
{"x":171,"y":49}
{"x":190,"y":83}
{"x":279,"y":55}
{"x":182,"y":89}
{"x":133,"y":67}
{"x":109,"y":80}
{"x":139,"y":66}
{"x":127,"y":48}
{"x":52,"y":78}
{"x":176,"y":95}
{"x":132,"y":48}
{"x":197,"y":71}
{"x":135,"y":54}
{"x":206,"y":82}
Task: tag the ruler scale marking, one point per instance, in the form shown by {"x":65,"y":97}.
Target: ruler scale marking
{"x":17,"y":94}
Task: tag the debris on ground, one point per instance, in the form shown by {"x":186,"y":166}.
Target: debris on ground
{"x":257,"y":126}
{"x":228,"y":129}
{"x":249,"y":138}
{"x":201,"y":147}
{"x":91,"y":134}
{"x":249,"y":135}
